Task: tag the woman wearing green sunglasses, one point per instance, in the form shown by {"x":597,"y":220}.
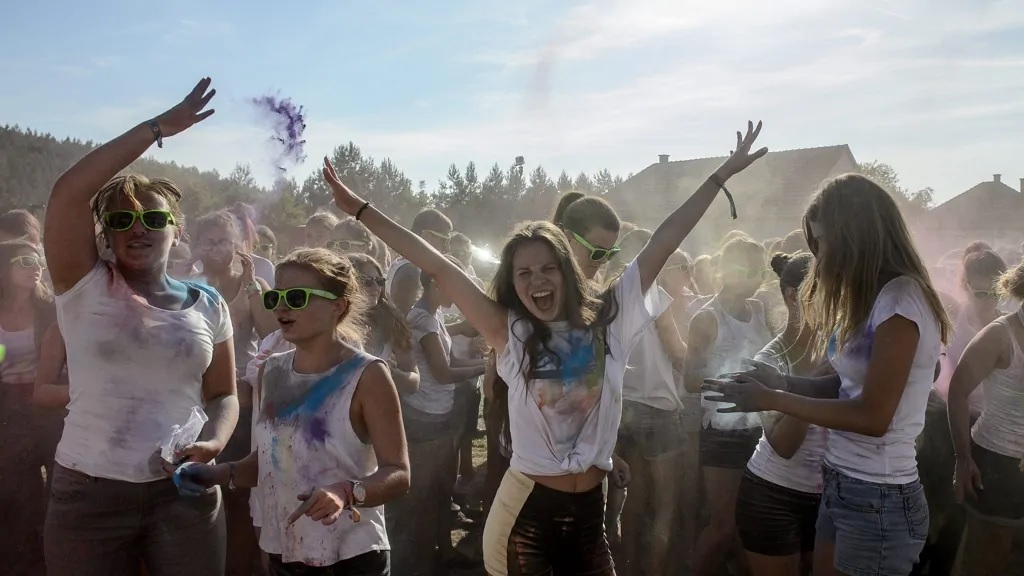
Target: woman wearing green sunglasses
{"x":143,"y":349}
{"x":330,"y":449}
{"x":562,"y":350}
{"x":26,"y":313}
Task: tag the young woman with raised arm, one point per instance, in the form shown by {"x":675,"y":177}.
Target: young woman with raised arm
{"x":563,"y":353}
{"x":143,"y":349}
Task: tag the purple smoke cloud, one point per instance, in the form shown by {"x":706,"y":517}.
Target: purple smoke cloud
{"x":289,"y":123}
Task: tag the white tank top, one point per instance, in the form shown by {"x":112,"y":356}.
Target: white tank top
{"x":802,"y":472}
{"x":1000,"y":428}
{"x":20,"y":358}
{"x":735,"y":341}
{"x":305,"y":438}
{"x":649,"y":378}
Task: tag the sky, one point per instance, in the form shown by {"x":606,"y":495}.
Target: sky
{"x":932,"y":87}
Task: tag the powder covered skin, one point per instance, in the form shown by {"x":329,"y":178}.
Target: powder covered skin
{"x":288,"y":122}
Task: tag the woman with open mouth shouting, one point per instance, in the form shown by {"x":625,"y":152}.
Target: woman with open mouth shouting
{"x":330,"y":448}
{"x":142,"y":350}
{"x":563,"y":352}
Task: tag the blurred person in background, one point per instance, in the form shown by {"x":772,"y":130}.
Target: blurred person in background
{"x":266,"y":244}
{"x":318,"y":229}
{"x":26,"y":314}
{"x":403,"y":278}
{"x":20,"y":225}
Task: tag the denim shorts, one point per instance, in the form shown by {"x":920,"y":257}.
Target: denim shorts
{"x":878,"y":529}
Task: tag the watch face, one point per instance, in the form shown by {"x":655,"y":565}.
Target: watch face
{"x":359,"y":492}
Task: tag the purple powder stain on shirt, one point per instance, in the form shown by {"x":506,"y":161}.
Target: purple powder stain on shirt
{"x":288,"y":121}
{"x":318,"y":429}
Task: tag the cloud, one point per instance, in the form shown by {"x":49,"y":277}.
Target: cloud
{"x":912,"y":76}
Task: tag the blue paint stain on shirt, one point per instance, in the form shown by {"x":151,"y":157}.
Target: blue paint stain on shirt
{"x":314,"y":399}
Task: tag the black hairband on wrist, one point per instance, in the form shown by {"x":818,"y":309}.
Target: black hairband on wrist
{"x":360,"y":211}
{"x":732,"y":202}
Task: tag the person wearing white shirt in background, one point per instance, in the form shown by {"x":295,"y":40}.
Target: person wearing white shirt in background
{"x":467,"y":394}
{"x":989,"y":477}
{"x":882,"y":325}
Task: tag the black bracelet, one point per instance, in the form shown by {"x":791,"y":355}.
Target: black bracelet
{"x":231,"y":479}
{"x":732,"y":202}
{"x":360,"y":212}
{"x":158,"y":135}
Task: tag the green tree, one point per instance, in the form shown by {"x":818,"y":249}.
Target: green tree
{"x":913,"y":204}
{"x":564,"y":182}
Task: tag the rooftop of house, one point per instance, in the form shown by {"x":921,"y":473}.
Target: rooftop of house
{"x":781,"y":182}
{"x":983,"y":204}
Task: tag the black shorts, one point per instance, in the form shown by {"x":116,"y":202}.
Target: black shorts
{"x":773,"y":520}
{"x":1003,"y":496}
{"x":652,"y":432}
{"x":728,"y":448}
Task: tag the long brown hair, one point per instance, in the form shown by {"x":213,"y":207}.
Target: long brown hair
{"x":582,"y":308}
{"x":867,"y":243}
{"x":44,"y":313}
{"x":383,"y":316}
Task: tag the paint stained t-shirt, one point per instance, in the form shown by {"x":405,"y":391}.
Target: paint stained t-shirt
{"x":891,"y":459}
{"x":304,"y":438}
{"x":566,"y":419}
{"x":134,"y":372}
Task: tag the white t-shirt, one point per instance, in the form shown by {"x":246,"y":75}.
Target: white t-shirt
{"x":891,"y":459}
{"x":135,"y":371}
{"x":389,"y":278}
{"x":567,"y":419}
{"x":649,"y":378}
{"x":802,"y":472}
{"x":432,"y":397}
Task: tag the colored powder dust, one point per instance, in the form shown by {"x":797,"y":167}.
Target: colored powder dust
{"x":288,"y":122}
{"x":3,"y":352}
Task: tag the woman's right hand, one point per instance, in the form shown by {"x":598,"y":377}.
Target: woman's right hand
{"x":766,"y":374}
{"x":193,"y":478}
{"x":344,"y":197}
{"x":188,"y":112}
{"x":966,"y":480}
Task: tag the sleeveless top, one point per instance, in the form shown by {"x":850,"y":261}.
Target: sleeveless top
{"x":802,"y":472}
{"x":1000,"y":428}
{"x":735,"y":341}
{"x":392,"y":270}
{"x":304,"y":439}
{"x":649,"y":378}
{"x":963,"y":333}
{"x":20,"y":357}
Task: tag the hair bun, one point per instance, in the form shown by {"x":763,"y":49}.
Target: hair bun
{"x":778,"y":263}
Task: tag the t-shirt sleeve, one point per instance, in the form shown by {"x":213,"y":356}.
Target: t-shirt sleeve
{"x":95,"y":278}
{"x":223,"y":330}
{"x":510,"y":361}
{"x":636,"y":309}
{"x":903,"y":297}
{"x":421,"y":323}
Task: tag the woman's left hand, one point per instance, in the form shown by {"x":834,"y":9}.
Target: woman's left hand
{"x":323,"y":505}
{"x":748,"y":394}
{"x":344,"y":197}
{"x":742,"y":157}
{"x":620,"y":475}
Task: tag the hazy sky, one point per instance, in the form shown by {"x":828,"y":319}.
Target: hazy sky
{"x":935,"y":88}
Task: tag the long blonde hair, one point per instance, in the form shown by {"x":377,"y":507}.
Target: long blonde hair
{"x":867,"y":243}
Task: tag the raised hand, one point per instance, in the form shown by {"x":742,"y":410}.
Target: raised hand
{"x":765,"y":374}
{"x":344,"y":197}
{"x":742,"y":157}
{"x":189,"y":111}
{"x":745,"y":392}
{"x":248,"y":270}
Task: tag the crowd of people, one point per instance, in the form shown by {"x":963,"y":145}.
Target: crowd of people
{"x":813,"y":404}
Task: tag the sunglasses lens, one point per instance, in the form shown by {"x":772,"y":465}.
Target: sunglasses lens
{"x":155,"y":220}
{"x":296,"y":299}
{"x":271,"y":299}
{"x":599,"y":255}
{"x":120,"y":220}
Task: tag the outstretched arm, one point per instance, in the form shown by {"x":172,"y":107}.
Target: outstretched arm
{"x":671,"y":233}
{"x":489,"y":317}
{"x":70,"y":233}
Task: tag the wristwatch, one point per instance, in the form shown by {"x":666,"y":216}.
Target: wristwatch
{"x":253,"y":288}
{"x":358,"y":492}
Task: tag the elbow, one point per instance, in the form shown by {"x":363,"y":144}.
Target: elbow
{"x":876,"y":427}
{"x":785,"y":450}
